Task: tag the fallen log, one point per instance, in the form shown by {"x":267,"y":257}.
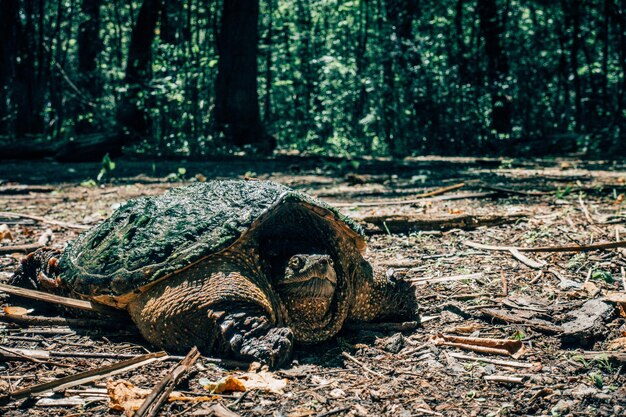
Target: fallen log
{"x":405,"y":223}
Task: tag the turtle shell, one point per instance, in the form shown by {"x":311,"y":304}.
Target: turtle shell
{"x":151,"y":238}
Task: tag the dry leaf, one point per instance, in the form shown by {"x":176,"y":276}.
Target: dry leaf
{"x":590,"y":288}
{"x":455,"y":211}
{"x":261,"y":380}
{"x":227,"y":384}
{"x":124,"y":396}
{"x":619,"y":200}
{"x":5,"y":233}
{"x":265,"y":381}
{"x":16,"y":311}
{"x":616,"y":297}
{"x":617,"y":344}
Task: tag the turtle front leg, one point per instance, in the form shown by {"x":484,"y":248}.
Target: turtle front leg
{"x":384,"y":298}
{"x":248,"y":334}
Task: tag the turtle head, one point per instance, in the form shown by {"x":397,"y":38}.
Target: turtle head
{"x":306,"y":286}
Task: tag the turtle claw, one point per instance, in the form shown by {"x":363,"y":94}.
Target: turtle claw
{"x":273,"y":348}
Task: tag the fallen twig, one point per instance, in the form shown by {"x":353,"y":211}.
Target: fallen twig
{"x":384,"y":327}
{"x":402,"y":223}
{"x":21,"y":248}
{"x":57,"y":299}
{"x":504,"y":347}
{"x":416,"y":201}
{"x":512,"y":364}
{"x":424,"y":281}
{"x":44,"y":220}
{"x":526,"y":260}
{"x":505,"y":379}
{"x":82,"y":378}
{"x":161,"y":391}
{"x":541,"y":326}
{"x":26,"y":320}
{"x":361,"y":364}
{"x":595,"y":246}
{"x":333,"y":411}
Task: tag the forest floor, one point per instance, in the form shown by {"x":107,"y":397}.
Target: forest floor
{"x":504,"y":332}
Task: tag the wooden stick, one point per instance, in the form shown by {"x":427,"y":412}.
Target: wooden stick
{"x":361,"y":364}
{"x":441,"y":190}
{"x":57,"y":299}
{"x":595,"y":246}
{"x":26,"y":320}
{"x":82,"y":378}
{"x":161,"y":392}
{"x":415,"y":201}
{"x":405,"y":223}
{"x":446,"y":279}
{"x":21,"y":248}
{"x":501,"y":362}
{"x":526,"y":260}
{"x":44,"y":220}
{"x":15,"y":354}
{"x":508,"y":379}
{"x":385,"y":327}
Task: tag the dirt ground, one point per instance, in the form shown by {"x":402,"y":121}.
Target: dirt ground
{"x":556,"y":316}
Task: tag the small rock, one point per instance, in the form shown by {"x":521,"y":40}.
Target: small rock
{"x":587,"y":324}
{"x":337,"y":393}
{"x":582,"y":391}
{"x":393,"y":344}
{"x":562,"y":407}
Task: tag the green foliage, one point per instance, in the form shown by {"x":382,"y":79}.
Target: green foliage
{"x":107,"y":168}
{"x":347,"y":78}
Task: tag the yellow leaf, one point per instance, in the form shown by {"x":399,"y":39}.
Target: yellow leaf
{"x":230,"y":383}
{"x":16,"y":311}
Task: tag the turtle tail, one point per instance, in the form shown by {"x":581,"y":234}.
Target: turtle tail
{"x":39,"y":270}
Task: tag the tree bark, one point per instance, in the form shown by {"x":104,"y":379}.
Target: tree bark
{"x":237,"y":102}
{"x":9,"y":20}
{"x":89,"y":48}
{"x":497,"y":65}
{"x":131,"y":112}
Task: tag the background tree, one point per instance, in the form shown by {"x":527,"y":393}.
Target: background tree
{"x":362,"y":77}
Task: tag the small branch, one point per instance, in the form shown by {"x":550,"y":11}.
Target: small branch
{"x":44,"y":220}
{"x":505,"y":379}
{"x":26,"y":320}
{"x":403,"y":223}
{"x":441,"y":190}
{"x":438,"y":280}
{"x":415,"y":201}
{"x":161,"y":392}
{"x":21,"y":248}
{"x":333,"y":412}
{"x":57,"y":299}
{"x":383,"y":327}
{"x":361,"y":364}
{"x":582,"y":248}
{"x":512,"y":364}
{"x":82,"y":378}
{"x":531,"y":263}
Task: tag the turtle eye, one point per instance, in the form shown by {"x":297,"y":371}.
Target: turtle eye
{"x":296,"y":263}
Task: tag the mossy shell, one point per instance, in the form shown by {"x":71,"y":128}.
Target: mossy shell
{"x":151,"y":238}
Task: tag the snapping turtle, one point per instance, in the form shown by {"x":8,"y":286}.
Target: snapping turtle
{"x":236,"y":268}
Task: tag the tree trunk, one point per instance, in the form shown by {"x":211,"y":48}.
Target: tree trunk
{"x":497,"y":65}
{"x":237,"y":102}
{"x":9,"y":21}
{"x":89,"y":48}
{"x":131,"y":112}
